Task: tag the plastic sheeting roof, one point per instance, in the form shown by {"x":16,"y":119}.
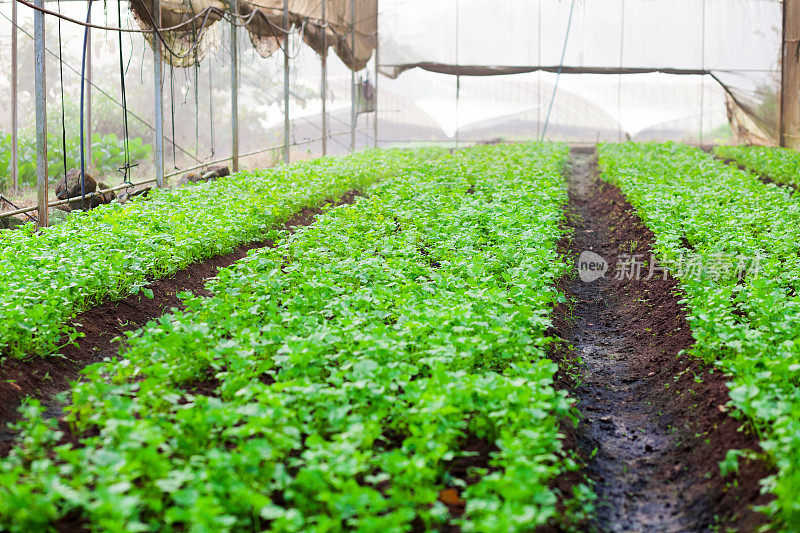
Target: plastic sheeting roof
{"x":735,"y":41}
{"x":680,"y":34}
{"x":264,"y":22}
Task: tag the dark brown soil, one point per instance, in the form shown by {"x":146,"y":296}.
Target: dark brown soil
{"x":473,"y":459}
{"x":45,"y":377}
{"x":653,"y":423}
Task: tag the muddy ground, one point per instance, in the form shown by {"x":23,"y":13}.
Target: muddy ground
{"x":653,"y":423}
{"x":45,"y":377}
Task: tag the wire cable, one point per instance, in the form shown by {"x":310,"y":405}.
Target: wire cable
{"x":125,"y":169}
{"x":99,"y":89}
{"x":558,"y":74}
{"x":63,"y":114}
{"x":204,"y":14}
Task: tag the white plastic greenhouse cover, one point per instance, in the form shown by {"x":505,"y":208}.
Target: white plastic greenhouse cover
{"x":263,"y":20}
{"x":735,"y":42}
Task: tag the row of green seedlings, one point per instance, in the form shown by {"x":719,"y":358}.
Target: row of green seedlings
{"x":48,"y":277}
{"x":732,"y":241}
{"x":781,"y":165}
{"x":384,"y":369}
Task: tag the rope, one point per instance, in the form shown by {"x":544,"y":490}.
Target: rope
{"x":273,"y":27}
{"x":203,"y":13}
{"x":558,"y":74}
{"x":158,"y":32}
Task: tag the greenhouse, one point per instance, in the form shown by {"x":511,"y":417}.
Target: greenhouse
{"x":393,"y":265}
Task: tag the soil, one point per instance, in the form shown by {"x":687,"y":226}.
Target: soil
{"x":654,"y":425}
{"x":653,"y":422}
{"x":45,"y":377}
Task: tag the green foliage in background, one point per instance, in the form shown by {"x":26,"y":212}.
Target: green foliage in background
{"x":108,"y":154}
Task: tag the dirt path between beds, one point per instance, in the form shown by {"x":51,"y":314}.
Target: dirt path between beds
{"x":654,"y":426}
{"x":45,"y":377}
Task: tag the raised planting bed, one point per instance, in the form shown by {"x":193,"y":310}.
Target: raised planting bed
{"x":48,"y":277}
{"x":385,"y":368}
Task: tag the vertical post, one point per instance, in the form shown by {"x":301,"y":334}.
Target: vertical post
{"x":41,"y":115}
{"x":619,"y":76}
{"x":789,"y":118}
{"x":353,"y":110}
{"x":14,"y":164}
{"x":324,"y":89}
{"x":159,"y":98}
{"x":234,"y":90}
{"x":458,"y":78}
{"x":458,"y":102}
{"x":211,"y":108}
{"x":539,"y":79}
{"x":703,"y":67}
{"x":88,"y":148}
{"x":286,"y":133}
{"x":377,"y":64}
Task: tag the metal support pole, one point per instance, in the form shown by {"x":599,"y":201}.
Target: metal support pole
{"x":82,"y":101}
{"x":458,"y":75}
{"x":539,"y":77}
{"x":353,"y":110}
{"x":619,"y":77}
{"x":159,"y":98}
{"x":703,"y":67}
{"x":324,"y":90}
{"x":789,"y":118}
{"x":286,"y":132}
{"x":458,"y":104}
{"x":14,"y":142}
{"x":88,"y":148}
{"x":377,"y":64}
{"x":234,"y":91}
{"x":41,"y":115}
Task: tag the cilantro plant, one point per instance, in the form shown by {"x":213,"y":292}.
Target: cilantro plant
{"x":331,"y":382}
{"x":748,"y":326}
{"x":781,"y":165}
{"x":47,"y":277}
